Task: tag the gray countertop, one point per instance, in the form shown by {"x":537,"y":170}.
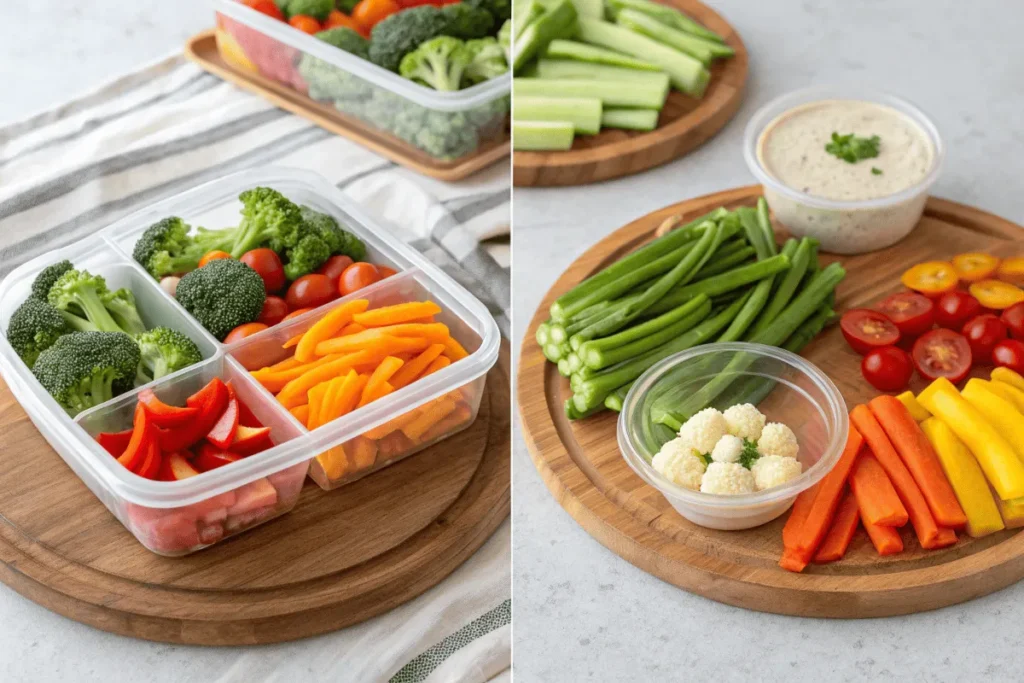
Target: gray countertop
{"x":583,"y":613}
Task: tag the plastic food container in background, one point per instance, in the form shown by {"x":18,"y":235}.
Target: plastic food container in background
{"x":843,"y":227}
{"x":443,"y":125}
{"x":796,"y":394}
{"x":176,"y":518}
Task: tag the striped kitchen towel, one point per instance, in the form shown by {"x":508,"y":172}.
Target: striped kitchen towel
{"x":71,"y":171}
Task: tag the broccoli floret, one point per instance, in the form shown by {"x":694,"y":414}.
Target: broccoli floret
{"x":318,"y":9}
{"x":167,"y":248}
{"x":501,"y":10}
{"x":164,"y":351}
{"x":80,"y":292}
{"x":308,"y":255}
{"x":401,"y":33}
{"x":268,"y":217}
{"x":121,"y":306}
{"x":340,"y":241}
{"x":222,"y":295}
{"x":84,"y":369}
{"x":326,"y":81}
{"x":346,"y":39}
{"x":34,"y":327}
{"x":439,"y":63}
{"x":487,"y":60}
{"x":41,"y":285}
{"x":467,"y":22}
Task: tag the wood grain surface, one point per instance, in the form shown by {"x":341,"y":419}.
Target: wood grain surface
{"x":338,"y":558}
{"x":685,"y":124}
{"x":202,"y":49}
{"x":582,"y":467}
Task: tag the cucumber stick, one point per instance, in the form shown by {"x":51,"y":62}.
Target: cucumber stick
{"x":632,"y":119}
{"x":583,"y":113}
{"x":567,"y":68}
{"x":523,"y":13}
{"x":557,"y":21}
{"x":699,"y":48}
{"x":611,"y":93}
{"x":666,"y":15}
{"x":581,"y":52}
{"x":542,"y":135}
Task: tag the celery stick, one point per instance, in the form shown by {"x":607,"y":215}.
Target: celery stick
{"x":611,"y":93}
{"x":542,"y":135}
{"x":558,"y":21}
{"x":632,"y":119}
{"x":563,"y":367}
{"x":581,"y":52}
{"x":593,"y":9}
{"x":699,"y":48}
{"x":523,"y":13}
{"x":582,"y":112}
{"x":666,"y":15}
{"x":567,"y":68}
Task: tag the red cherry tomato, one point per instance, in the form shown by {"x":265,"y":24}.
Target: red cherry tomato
{"x":386,"y":271}
{"x":865,"y":329}
{"x":335,"y":266}
{"x":267,"y":263}
{"x":357,"y":276}
{"x":305,"y":23}
{"x":311,"y":291}
{"x":942,"y":353}
{"x":274,"y":311}
{"x":1013,"y":318}
{"x":369,"y":12}
{"x":983,"y":332}
{"x":912,"y":313}
{"x":214,"y":255}
{"x":887,"y":368}
{"x":243,"y":331}
{"x":267,"y":7}
{"x":1009,"y":353}
{"x":954,"y":309}
{"x":297,"y":312}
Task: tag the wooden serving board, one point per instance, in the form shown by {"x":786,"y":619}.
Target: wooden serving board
{"x":202,"y":49}
{"x":685,"y":124}
{"x":338,"y":558}
{"x":581,"y":464}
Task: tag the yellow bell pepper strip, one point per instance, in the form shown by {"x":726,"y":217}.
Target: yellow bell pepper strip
{"x":966,"y":477}
{"x":1009,"y":377}
{"x":1012,"y":512}
{"x":1009,"y":393}
{"x":916,"y":410}
{"x":1000,"y":413}
{"x":1002,"y":467}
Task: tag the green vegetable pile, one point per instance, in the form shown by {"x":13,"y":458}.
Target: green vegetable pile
{"x":86,"y":344}
{"x":719,"y":278}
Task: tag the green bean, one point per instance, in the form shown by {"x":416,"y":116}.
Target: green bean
{"x":726,"y":282}
{"x":787,"y":288}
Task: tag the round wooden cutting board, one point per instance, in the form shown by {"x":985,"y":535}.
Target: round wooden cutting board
{"x":685,"y":123}
{"x":338,"y":558}
{"x":581,"y":464}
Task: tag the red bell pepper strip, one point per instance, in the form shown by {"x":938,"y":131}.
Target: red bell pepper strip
{"x":210,"y":401}
{"x":164,"y":415}
{"x":115,"y":443}
{"x":251,"y":440}
{"x":246,"y":418}
{"x":143,"y":433}
{"x":223,"y":432}
{"x":150,"y":466}
{"x":211,"y":457}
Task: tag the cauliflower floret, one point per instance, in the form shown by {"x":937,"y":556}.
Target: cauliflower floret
{"x":773,"y":470}
{"x":728,"y":449}
{"x":778,"y":439}
{"x":745,"y":421}
{"x":678,"y":462}
{"x":704,"y":429}
{"x":726,"y":478}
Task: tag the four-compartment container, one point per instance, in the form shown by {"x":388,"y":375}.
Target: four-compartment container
{"x":179,"y":517}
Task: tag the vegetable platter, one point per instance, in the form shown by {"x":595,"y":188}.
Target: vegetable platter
{"x":685,"y":121}
{"x":581,"y":462}
{"x":214,"y":446}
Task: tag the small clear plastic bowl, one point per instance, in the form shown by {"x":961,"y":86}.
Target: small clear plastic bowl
{"x":797,"y":394}
{"x":843,"y":227}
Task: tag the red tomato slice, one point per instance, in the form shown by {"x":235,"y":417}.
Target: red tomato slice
{"x":954,"y":309}
{"x":942,"y":353}
{"x":932,"y":278}
{"x":1009,"y":353}
{"x":865,"y":329}
{"x":913,"y":314}
{"x":887,"y":368}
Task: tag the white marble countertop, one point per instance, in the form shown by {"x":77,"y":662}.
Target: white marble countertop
{"x":581,"y":612}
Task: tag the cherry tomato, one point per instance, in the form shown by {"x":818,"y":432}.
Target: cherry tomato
{"x":368,"y":12}
{"x":357,"y":276}
{"x":297,"y":312}
{"x":887,"y":368}
{"x":912,"y":313}
{"x":214,"y":255}
{"x":338,"y":19}
{"x":267,"y":263}
{"x":274,"y":311}
{"x":1012,"y":317}
{"x":983,"y":332}
{"x":932,"y":278}
{"x":305,"y":23}
{"x":311,"y":291}
{"x":386,"y":271}
{"x":1012,"y":270}
{"x":1009,"y":353}
{"x":267,"y":7}
{"x":954,"y":309}
{"x":974,"y":266}
{"x":335,"y":266}
{"x":996,"y":294}
{"x":243,"y":331}
{"x":942,"y":353}
{"x":865,"y":329}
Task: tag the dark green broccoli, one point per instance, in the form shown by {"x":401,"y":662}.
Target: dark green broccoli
{"x":41,"y":285}
{"x":80,"y":292}
{"x":34,"y":327}
{"x":346,"y":39}
{"x":84,"y":369}
{"x":318,"y":9}
{"x":308,"y":255}
{"x":401,"y":33}
{"x":167,"y":248}
{"x":501,"y":10}
{"x":222,"y":295}
{"x":487,"y":60}
{"x":339,"y":240}
{"x":329,"y":83}
{"x":268,"y":218}
{"x":347,"y":6}
{"x":438,"y":63}
{"x":164,"y":351}
{"x":467,"y":22}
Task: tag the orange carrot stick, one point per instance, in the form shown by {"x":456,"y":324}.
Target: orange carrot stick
{"x":886,"y":539}
{"x":843,"y":527}
{"x":301,"y":413}
{"x":919,"y":456}
{"x":429,"y":417}
{"x":330,"y":398}
{"x":439,"y":363}
{"x":875,"y":494}
{"x":286,"y":364}
{"x":364,"y":453}
{"x":275,"y":381}
{"x":454,"y":349}
{"x":348,"y":395}
{"x":798,"y":516}
{"x":411,"y":370}
{"x":294,"y":341}
{"x":351,"y":328}
{"x":945,"y":537}
{"x":293,"y":393}
{"x":316,"y":400}
{"x":460,"y":417}
{"x":910,"y":495}
{"x":328,"y":326}
{"x":434,"y":332}
{"x":388,"y":367}
{"x":399,"y":313}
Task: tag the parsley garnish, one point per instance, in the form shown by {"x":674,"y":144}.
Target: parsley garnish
{"x":706,"y":457}
{"x":876,"y":171}
{"x":750,"y":454}
{"x":851,"y":148}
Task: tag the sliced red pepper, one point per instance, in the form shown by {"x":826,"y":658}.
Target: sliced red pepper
{"x":165,"y":473}
{"x":210,"y":401}
{"x":143,"y":433}
{"x":251,"y":440}
{"x":246,"y":417}
{"x":223,"y":432}
{"x":150,"y":466}
{"x":162,"y":414}
{"x":180,"y":467}
{"x":211,"y":457}
{"x":115,"y":443}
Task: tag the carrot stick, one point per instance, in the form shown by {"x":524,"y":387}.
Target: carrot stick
{"x":294,"y":341}
{"x":886,"y":539}
{"x":393,"y":445}
{"x":843,"y":527}
{"x":798,"y":516}
{"x":920,"y":458}
{"x":460,"y":417}
{"x":439,"y":363}
{"x":293,"y":393}
{"x":399,"y":313}
{"x":351,"y":328}
{"x":910,"y":495}
{"x":434,"y":332}
{"x":434,"y":413}
{"x":301,"y":413}
{"x":330,"y":398}
{"x":454,"y":349}
{"x":945,"y":537}
{"x":411,"y":370}
{"x":286,"y":364}
{"x":364,"y":453}
{"x":328,"y":326}
{"x":335,"y":463}
{"x":316,"y":400}
{"x":875,"y":494}
{"x":275,"y":381}
{"x":348,"y":394}
{"x":388,"y":367}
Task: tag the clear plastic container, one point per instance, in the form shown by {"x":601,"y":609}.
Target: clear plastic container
{"x":791,"y":391}
{"x":443,"y":125}
{"x":842,"y":227}
{"x":176,"y":518}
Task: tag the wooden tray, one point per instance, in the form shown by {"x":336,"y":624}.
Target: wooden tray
{"x":581,"y":464}
{"x":202,"y":49}
{"x":685,"y":124}
{"x":338,"y":558}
